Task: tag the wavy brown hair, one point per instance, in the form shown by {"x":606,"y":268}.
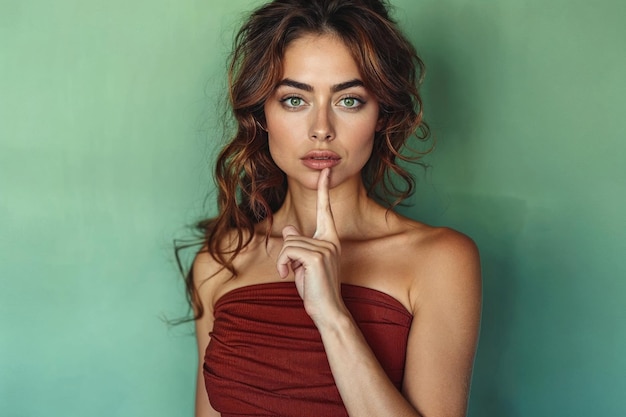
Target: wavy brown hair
{"x":250,"y":186}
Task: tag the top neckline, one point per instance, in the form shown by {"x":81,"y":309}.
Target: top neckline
{"x":346,"y":289}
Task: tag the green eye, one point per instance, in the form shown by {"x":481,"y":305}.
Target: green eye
{"x":294,"y":101}
{"x":349,"y":102}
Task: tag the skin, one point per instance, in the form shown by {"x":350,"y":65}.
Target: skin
{"x":337,"y":114}
{"x":329,"y":232}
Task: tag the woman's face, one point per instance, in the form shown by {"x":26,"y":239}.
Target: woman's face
{"x":320,"y":115}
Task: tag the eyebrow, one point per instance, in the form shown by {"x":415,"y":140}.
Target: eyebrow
{"x":307,"y":87}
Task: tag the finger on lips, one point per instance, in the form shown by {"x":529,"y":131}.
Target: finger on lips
{"x":325,"y":227}
{"x":324,"y":241}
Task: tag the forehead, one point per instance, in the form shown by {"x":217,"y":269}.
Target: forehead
{"x":319,"y":59}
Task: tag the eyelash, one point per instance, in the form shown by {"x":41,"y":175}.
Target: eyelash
{"x":358,"y":104}
{"x":285,"y":102}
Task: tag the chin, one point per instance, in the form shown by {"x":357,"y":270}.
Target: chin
{"x":308,"y":178}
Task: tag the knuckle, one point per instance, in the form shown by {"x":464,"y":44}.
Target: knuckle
{"x":317,"y":258}
{"x":330,"y":247}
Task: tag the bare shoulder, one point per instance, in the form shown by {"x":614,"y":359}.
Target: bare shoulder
{"x":213,"y":279}
{"x":206,"y":265}
{"x":446,"y":247}
{"x":444,"y":261}
{"x":207,"y":273}
{"x":439,"y":241}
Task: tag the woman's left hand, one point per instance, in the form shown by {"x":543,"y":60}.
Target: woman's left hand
{"x":315,"y":260}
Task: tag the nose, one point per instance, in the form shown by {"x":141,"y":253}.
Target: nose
{"x":322,"y":125}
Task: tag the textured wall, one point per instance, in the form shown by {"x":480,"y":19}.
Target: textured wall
{"x":107,"y":121}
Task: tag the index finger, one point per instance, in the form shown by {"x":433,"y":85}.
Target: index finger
{"x":325,"y":228}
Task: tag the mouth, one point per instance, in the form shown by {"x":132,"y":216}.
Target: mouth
{"x":320,"y":159}
{"x":321,"y":156}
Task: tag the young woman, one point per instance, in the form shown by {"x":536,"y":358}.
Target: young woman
{"x":310,"y":297}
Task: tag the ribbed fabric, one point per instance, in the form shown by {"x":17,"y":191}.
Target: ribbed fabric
{"x":266,"y":357}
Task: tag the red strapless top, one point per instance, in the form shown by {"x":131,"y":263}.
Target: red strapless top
{"x":266,"y":357}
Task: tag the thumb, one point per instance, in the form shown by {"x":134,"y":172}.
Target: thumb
{"x":290,"y":231}
{"x":283,"y":263}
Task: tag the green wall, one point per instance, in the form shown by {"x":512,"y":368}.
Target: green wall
{"x":526,"y":100}
{"x":108,"y":115}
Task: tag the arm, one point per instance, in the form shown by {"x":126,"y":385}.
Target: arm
{"x":444,"y":333}
{"x":203,"y":268}
{"x":441,"y":345}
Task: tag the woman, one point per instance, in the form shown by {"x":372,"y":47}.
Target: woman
{"x":310,"y":297}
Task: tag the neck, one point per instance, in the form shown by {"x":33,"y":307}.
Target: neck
{"x":349,"y":203}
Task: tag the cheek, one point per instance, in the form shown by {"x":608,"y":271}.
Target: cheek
{"x":364,"y":135}
{"x":278,"y":137}
{"x":282,"y":131}
{"x":274,"y":147}
{"x":366,"y":151}
{"x":280,"y":150}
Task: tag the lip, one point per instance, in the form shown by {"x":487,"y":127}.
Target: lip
{"x":320,"y":159}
